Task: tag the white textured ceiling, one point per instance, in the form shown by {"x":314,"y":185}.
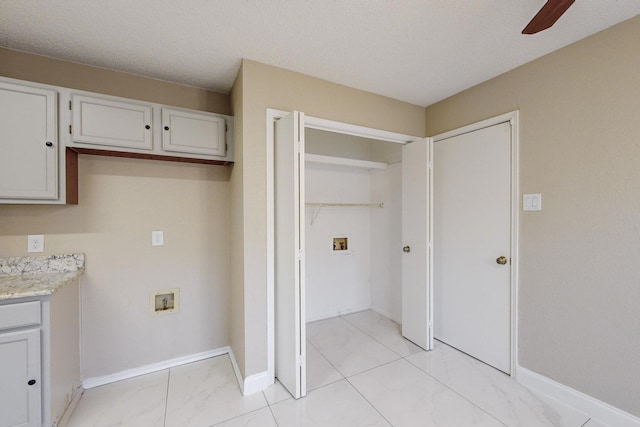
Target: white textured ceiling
{"x":419,"y":51}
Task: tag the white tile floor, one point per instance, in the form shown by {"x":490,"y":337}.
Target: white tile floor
{"x":360,"y":372}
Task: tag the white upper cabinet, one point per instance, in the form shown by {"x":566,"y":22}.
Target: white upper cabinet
{"x":39,"y":156}
{"x":103,"y":124}
{"x":100,"y":121}
{"x":193,"y":132}
{"x":28,"y":143}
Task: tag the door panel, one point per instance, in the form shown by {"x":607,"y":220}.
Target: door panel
{"x":290,"y":367}
{"x":110,"y":122}
{"x":28,"y":121}
{"x":20,"y":403}
{"x":472,"y":228}
{"x":193,"y":132}
{"x":416,"y":307}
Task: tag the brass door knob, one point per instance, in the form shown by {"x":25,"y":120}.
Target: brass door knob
{"x":501,"y":260}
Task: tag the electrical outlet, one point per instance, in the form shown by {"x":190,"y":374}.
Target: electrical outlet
{"x":157,"y":238}
{"x":35,"y":243}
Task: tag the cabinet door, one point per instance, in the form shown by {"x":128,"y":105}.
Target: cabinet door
{"x":193,"y":132}
{"x":20,"y":388}
{"x":112,"y":123}
{"x":28,"y":143}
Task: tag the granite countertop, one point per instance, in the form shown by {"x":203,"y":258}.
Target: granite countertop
{"x":22,"y":277}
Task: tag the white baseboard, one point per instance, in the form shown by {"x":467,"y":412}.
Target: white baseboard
{"x":236,"y":369}
{"x":586,"y":404}
{"x":253,"y":383}
{"x":387,"y":314}
{"x":256,"y":382}
{"x":336,"y":314}
{"x":153,"y":367}
{"x":73,"y":403}
{"x":332,"y":314}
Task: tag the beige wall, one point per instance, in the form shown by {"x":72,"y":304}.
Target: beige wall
{"x":579,"y":147}
{"x":121,"y":202}
{"x":237,"y":232}
{"x":41,"y":69}
{"x":265,"y":87}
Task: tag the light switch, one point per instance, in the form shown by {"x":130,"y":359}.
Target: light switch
{"x":532,"y":202}
{"x":157,"y":238}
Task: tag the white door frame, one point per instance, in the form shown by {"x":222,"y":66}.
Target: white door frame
{"x":512,"y":119}
{"x":313,"y":123}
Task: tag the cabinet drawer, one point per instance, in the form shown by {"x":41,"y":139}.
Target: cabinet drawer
{"x":19,"y":315}
{"x":112,"y":123}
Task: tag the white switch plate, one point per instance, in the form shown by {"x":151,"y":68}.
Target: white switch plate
{"x":35,"y":243}
{"x":157,"y":238}
{"x":532,"y":202}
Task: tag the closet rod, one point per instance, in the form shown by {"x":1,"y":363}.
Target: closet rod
{"x":367,"y":205}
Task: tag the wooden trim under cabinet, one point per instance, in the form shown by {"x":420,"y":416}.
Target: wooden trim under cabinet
{"x":71,"y":168}
{"x":72,"y":165}
{"x":96,"y":152}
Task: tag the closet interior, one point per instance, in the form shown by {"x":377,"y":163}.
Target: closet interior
{"x":353,"y":215}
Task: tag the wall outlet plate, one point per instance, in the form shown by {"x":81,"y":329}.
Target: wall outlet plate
{"x":157,"y":238}
{"x":35,"y":243}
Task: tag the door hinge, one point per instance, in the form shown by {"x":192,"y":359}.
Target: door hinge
{"x":300,"y":254}
{"x":226,"y":127}
{"x":300,"y":360}
{"x":69,"y":129}
{"x":69,"y":105}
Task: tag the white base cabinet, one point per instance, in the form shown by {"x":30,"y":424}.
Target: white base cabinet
{"x":39,"y":358}
{"x":20,"y":391}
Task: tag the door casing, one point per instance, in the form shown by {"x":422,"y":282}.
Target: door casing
{"x":313,"y":123}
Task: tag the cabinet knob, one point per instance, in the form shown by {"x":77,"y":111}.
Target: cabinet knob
{"x":406,"y":249}
{"x":49,"y":144}
{"x":31,"y":382}
{"x":166,"y":128}
{"x":147,"y":127}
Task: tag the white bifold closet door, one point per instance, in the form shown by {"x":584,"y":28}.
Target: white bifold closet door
{"x":416,"y":279}
{"x":290,"y":334}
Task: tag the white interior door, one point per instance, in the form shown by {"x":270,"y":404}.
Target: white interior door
{"x":290,"y":335}
{"x":416,"y":304}
{"x":471,"y":231}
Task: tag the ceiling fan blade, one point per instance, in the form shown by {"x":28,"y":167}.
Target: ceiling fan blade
{"x":547,"y":16}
